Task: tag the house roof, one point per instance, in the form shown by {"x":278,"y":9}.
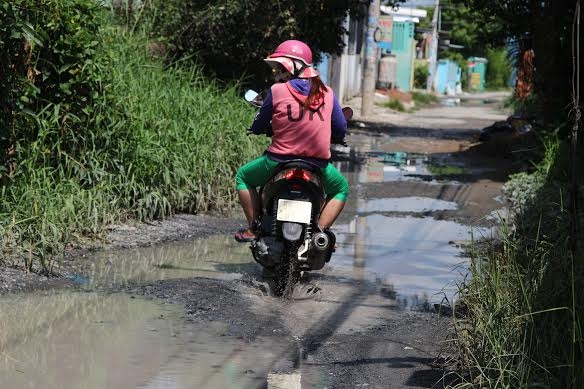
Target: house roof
{"x":404,"y":14}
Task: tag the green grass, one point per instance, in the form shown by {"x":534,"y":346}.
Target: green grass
{"x":422,"y":99}
{"x":445,"y":170}
{"x":525,"y":292}
{"x":396,"y":105}
{"x":162,"y":141}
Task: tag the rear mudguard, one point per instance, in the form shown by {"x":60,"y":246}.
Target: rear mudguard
{"x":312,"y":247}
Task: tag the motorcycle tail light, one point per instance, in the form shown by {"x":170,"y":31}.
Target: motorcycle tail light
{"x":297,"y":174}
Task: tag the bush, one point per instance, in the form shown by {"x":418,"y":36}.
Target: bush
{"x":522,"y":189}
{"x":498,"y":68}
{"x":421,"y":74}
{"x":50,"y":57}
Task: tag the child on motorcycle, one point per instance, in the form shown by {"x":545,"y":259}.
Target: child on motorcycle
{"x":303,"y":114}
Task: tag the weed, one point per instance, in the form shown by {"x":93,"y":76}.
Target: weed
{"x":524,"y":295}
{"x":423,"y":98}
{"x":396,"y":105}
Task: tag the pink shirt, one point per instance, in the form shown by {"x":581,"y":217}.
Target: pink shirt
{"x":299,"y":131}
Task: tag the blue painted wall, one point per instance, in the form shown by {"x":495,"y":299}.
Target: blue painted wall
{"x":448,"y":74}
{"x":323,"y":68}
{"x":403,"y":49}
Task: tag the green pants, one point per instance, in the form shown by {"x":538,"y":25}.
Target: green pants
{"x":255,"y":173}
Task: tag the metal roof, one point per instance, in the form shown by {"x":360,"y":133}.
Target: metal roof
{"x":404,"y":13}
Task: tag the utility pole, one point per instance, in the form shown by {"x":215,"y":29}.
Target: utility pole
{"x":433,"y":49}
{"x":369,"y":73}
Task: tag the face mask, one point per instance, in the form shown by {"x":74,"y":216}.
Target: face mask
{"x":281,"y":75}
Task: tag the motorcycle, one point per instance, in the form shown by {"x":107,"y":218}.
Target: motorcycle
{"x":288,"y":239}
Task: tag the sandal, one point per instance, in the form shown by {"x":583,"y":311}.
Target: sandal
{"x":245,"y":235}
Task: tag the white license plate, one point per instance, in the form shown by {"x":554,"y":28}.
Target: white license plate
{"x":294,"y":211}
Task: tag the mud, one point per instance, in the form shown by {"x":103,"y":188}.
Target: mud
{"x":78,"y":259}
{"x":210,"y":300}
{"x":340,"y":340}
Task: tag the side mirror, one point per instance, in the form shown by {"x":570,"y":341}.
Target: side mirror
{"x":253,"y":98}
{"x":250,"y":95}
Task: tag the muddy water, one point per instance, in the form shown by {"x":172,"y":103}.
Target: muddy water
{"x":217,"y":257}
{"x":415,"y":259}
{"x":393,"y":248}
{"x":86,"y":340}
{"x":404,"y":204}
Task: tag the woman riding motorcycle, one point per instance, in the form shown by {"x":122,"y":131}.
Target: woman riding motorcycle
{"x":303,"y":113}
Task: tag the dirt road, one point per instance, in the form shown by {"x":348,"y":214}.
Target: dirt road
{"x":180,"y":304}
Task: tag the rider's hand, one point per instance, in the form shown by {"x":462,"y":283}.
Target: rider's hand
{"x":267,"y":132}
{"x":339,"y":141}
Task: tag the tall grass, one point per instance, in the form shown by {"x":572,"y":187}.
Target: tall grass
{"x":182,"y":135}
{"x":524,"y":323}
{"x":163,"y":140}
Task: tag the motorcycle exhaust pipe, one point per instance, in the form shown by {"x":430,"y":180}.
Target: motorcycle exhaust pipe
{"x":321,"y":241}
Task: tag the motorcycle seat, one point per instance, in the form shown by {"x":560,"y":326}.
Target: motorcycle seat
{"x":298,"y":163}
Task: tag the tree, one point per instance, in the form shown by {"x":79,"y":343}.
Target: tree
{"x":468,"y":27}
{"x":230,"y":38}
{"x":51,"y":56}
{"x":542,"y":26}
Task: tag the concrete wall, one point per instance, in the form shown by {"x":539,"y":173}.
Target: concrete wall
{"x":344,"y":72}
{"x":346,"y":75}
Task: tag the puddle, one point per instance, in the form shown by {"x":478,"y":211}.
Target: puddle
{"x":380,"y":166}
{"x":216,"y":257}
{"x":450,"y":102}
{"x":404,"y":204}
{"x":414,"y":259}
{"x":388,"y":167}
{"x":86,"y":340}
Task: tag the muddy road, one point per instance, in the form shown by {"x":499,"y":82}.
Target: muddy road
{"x":180,"y":304}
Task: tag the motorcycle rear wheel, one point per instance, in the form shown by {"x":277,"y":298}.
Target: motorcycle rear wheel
{"x":287,"y":275}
